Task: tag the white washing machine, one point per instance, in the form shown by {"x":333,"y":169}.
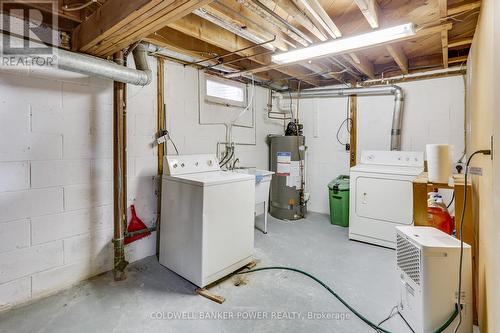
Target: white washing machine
{"x":207,"y":218}
{"x":381,"y":195}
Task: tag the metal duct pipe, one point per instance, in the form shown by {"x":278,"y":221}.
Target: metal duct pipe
{"x":162,"y":51}
{"x":89,"y":65}
{"x":397,"y":116}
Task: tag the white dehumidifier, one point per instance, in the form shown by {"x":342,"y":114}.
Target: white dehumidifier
{"x":428,"y":265}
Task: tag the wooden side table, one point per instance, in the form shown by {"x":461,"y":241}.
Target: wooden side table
{"x":422,"y":186}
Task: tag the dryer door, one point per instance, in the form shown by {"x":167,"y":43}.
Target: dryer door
{"x":383,"y":199}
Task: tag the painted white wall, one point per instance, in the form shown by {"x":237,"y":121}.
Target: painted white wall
{"x":433,"y":113}
{"x":56,"y":194}
{"x":56,"y":159}
{"x":183,"y":111}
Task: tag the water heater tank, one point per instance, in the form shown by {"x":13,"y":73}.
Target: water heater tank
{"x":287,"y":159}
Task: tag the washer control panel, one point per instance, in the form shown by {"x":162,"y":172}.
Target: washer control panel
{"x":399,"y":158}
{"x":184,"y":164}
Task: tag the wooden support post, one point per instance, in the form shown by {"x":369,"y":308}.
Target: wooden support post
{"x":119,"y":173}
{"x":160,"y":126}
{"x":353,"y":108}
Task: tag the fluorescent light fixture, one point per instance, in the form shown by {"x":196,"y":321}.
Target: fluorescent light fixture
{"x":342,"y":45}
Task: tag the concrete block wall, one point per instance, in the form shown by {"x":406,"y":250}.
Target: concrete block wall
{"x":56,"y":194}
{"x":183,"y":114}
{"x":433,"y":113}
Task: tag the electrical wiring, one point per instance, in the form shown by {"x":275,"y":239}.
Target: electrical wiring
{"x":466,"y":172}
{"x":451,"y":201}
{"x":391,"y":314}
{"x":172,"y":141}
{"x":352,"y":309}
{"x":349,"y":121}
{"x":76,"y":7}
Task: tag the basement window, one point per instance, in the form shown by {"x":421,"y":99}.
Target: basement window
{"x":226,"y":92}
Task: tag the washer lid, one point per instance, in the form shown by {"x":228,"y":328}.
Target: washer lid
{"x":211,"y":178}
{"x":388,"y":169}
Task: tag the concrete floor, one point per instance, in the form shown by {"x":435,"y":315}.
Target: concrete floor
{"x":363,"y":274}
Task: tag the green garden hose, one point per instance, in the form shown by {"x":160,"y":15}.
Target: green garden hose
{"x":359,"y":315}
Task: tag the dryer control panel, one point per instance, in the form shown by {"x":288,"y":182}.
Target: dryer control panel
{"x":184,"y":164}
{"x":398,"y":158}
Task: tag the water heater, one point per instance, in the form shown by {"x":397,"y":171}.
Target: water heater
{"x":428,"y":268}
{"x":287,"y":160}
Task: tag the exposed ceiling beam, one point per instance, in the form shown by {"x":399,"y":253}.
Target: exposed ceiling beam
{"x":428,"y":62}
{"x":399,"y":57}
{"x":266,"y":13}
{"x":362,"y":64}
{"x":206,"y":31}
{"x":458,"y":9}
{"x":443,"y":13}
{"x":370,"y":10}
{"x":420,"y":33}
{"x":241,"y":13}
{"x":458,"y":59}
{"x":119,"y":23}
{"x":287,"y":8}
{"x":177,"y":41}
{"x":375,"y":17}
{"x":326,"y":71}
{"x":444,"y":45}
{"x":459,"y":42}
{"x":317,"y":13}
{"x":252,"y":27}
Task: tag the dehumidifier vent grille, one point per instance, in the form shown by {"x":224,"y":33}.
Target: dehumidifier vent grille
{"x":408,"y":258}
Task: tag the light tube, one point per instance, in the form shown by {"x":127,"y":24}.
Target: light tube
{"x":342,"y":45}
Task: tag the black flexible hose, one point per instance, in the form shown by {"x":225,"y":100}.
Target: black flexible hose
{"x":462,"y":217}
{"x":359,"y":315}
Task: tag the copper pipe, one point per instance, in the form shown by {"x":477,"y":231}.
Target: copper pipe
{"x":119,"y":174}
{"x":160,"y":124}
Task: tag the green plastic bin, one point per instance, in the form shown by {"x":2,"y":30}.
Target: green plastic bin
{"x":339,"y":200}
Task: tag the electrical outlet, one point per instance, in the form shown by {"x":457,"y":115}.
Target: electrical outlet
{"x":459,"y":167}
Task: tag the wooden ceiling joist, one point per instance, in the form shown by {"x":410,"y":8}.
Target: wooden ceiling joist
{"x":119,"y":23}
{"x":375,"y":18}
{"x":399,"y":57}
{"x":288,"y":7}
{"x":420,"y":33}
{"x":233,"y":17}
{"x":361,"y":63}
{"x":459,"y":9}
{"x":370,"y":10}
{"x":459,"y":42}
{"x":177,"y":41}
{"x":317,"y":13}
{"x":206,"y":31}
{"x":443,"y":13}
